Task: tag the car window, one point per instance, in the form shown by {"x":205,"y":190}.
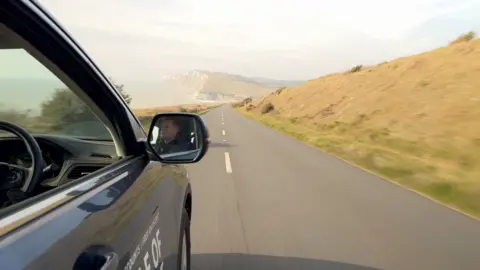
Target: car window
{"x":35,"y":99}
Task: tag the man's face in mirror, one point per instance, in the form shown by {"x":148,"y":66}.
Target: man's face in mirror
{"x":169,"y":129}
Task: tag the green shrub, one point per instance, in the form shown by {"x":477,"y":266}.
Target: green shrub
{"x":242,"y":103}
{"x":423,"y":83}
{"x":279,"y":90}
{"x":356,"y":69}
{"x":464,"y":38}
{"x":267,"y":107}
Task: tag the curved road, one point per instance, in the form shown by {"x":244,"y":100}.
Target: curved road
{"x":280,"y":204}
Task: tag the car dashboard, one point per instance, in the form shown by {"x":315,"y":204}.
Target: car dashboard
{"x":67,"y":158}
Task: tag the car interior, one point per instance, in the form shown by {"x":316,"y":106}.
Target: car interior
{"x":66,"y":158}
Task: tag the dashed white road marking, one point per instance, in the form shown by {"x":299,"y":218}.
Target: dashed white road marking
{"x":223,"y":132}
{"x":228,"y":165}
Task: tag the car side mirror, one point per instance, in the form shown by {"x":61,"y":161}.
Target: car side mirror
{"x":178,"y":138}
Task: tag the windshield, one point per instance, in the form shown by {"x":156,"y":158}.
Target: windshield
{"x":36,"y":100}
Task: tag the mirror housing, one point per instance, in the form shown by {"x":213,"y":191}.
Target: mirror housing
{"x":178,"y":138}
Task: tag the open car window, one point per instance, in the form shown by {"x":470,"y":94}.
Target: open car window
{"x":37,"y":100}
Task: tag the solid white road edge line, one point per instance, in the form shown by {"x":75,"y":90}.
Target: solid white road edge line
{"x":228,"y":165}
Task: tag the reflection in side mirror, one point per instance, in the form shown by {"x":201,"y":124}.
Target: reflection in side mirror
{"x":178,"y":137}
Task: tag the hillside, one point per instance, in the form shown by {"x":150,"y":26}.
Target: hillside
{"x":217,"y":86}
{"x":414,"y":120}
{"x":145,"y":115}
{"x":191,"y":108}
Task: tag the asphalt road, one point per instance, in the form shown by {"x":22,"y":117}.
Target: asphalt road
{"x":280,"y":204}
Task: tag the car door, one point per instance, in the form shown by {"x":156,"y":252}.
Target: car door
{"x":125,"y":215}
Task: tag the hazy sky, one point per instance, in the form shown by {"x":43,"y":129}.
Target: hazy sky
{"x":283,"y":39}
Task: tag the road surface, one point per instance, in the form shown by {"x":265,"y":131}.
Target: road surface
{"x":263,"y":200}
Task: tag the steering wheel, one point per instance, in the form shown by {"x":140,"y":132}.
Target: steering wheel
{"x":34,"y":172}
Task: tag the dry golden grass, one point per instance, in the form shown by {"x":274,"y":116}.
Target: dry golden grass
{"x":415,"y":120}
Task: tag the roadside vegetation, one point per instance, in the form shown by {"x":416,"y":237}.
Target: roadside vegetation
{"x":356,"y":68}
{"x":56,"y":112}
{"x":414,"y":120}
{"x":464,"y":38}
